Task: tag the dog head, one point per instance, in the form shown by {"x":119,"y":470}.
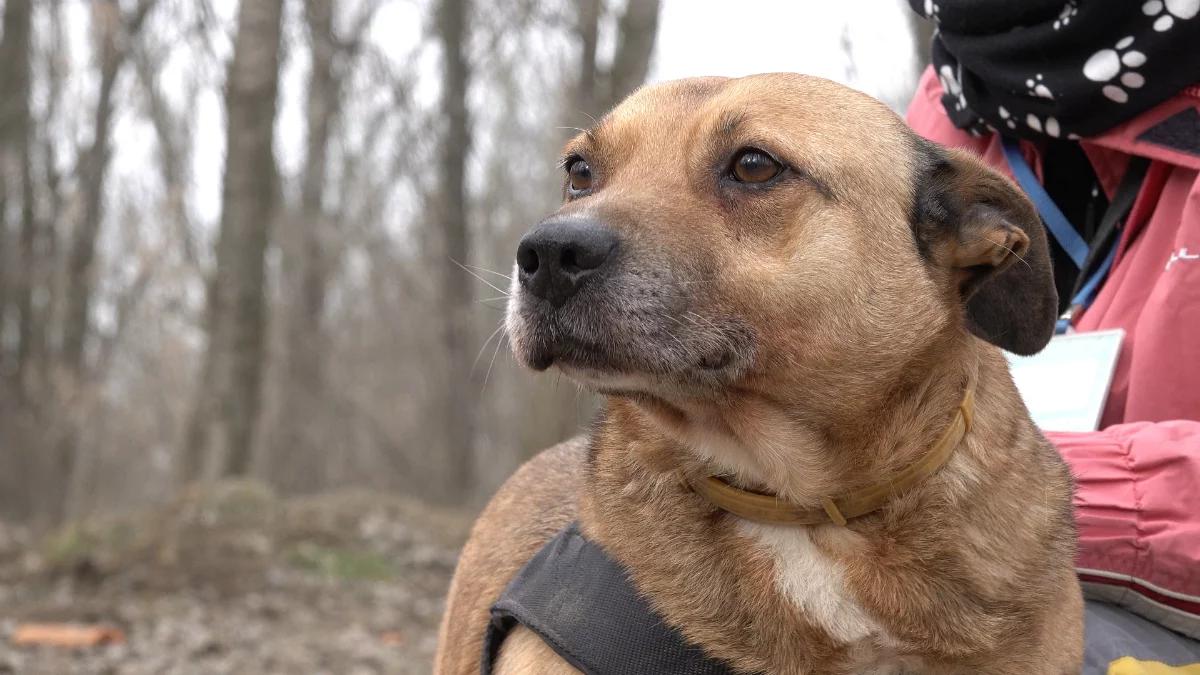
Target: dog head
{"x":778,"y":236}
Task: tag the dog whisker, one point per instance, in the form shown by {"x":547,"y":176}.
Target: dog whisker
{"x":494,"y":287}
{"x":484,"y":269}
{"x":488,"y":375}
{"x":485,"y":344}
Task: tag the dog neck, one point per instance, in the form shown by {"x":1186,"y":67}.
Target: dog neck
{"x":838,"y":509}
{"x":636,"y":502}
{"x":809,"y":455}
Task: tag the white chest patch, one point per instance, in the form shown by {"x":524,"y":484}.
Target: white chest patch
{"x":813,"y":581}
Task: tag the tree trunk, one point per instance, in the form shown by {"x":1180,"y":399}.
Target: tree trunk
{"x":636,"y":32}
{"x":228,"y":402}
{"x":588,"y":30}
{"x":457,"y":407}
{"x":308,"y":257}
{"x":115,"y":33}
{"x":51,"y":226}
{"x":93,"y":172}
{"x":112,"y":48}
{"x":93,"y":168}
{"x":599,"y":89}
{"x":18,"y":460}
{"x":30,"y":330}
{"x":174,"y":151}
{"x":15,"y":178}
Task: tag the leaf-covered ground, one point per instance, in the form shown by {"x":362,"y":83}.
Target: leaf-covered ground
{"x":231,"y":579}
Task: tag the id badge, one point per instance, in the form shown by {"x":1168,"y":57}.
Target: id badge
{"x":1066,"y":385}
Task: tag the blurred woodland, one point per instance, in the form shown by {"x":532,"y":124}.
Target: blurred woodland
{"x":269,"y":239}
{"x":253,"y":259}
{"x":327,"y":326}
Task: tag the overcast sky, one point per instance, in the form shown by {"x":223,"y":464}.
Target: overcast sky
{"x":718,"y":37}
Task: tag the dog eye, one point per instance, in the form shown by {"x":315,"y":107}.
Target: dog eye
{"x":754,"y":166}
{"x":580,"y":175}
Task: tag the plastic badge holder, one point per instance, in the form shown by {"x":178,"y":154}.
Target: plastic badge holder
{"x":1066,"y":385}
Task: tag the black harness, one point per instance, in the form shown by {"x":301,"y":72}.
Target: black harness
{"x":582,"y":604}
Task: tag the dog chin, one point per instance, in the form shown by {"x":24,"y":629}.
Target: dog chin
{"x":608,"y":381}
{"x":539,"y":353}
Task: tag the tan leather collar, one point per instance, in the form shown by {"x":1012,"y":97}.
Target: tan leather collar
{"x":773,"y":510}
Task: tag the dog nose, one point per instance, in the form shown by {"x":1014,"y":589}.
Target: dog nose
{"x":557,"y":256}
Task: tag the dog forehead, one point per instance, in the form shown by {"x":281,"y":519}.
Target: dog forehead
{"x":790,"y":95}
{"x":666,"y":98}
{"x":851,"y":144}
{"x":654,"y":119}
{"x":812,"y":111}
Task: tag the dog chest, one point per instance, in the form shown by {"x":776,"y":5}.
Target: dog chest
{"x":813,"y":581}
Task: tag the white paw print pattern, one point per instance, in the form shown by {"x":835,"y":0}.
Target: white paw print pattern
{"x":931,"y":10}
{"x":1107,"y":64}
{"x":1050,"y":128}
{"x":1007,"y":117}
{"x":1038,"y":88}
{"x":1069,"y":10}
{"x":951,"y":84}
{"x":1168,"y":11}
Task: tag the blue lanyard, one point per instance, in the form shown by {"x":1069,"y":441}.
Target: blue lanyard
{"x":1061,"y":229}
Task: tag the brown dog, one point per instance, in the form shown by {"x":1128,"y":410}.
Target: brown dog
{"x":775,"y":281}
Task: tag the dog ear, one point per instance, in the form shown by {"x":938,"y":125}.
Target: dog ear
{"x":976,"y":224}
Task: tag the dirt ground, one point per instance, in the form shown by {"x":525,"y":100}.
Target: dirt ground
{"x":231,"y":579}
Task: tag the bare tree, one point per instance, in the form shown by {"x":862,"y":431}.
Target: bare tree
{"x":173,"y":133}
{"x":636,"y":32}
{"x":228,"y":401}
{"x":114,"y":32}
{"x":309,"y":253}
{"x":352,"y":360}
{"x":457,"y":404}
{"x":600,"y":88}
{"x":16,"y":180}
{"x":587,"y":30}
{"x":114,"y":35}
{"x":15,"y":269}
{"x":54,"y":195}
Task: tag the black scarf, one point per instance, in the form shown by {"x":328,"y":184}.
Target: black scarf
{"x":1059,"y":68}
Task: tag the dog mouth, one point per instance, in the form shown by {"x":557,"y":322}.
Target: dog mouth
{"x":578,"y":354}
{"x":615,"y":343}
{"x":564,"y":350}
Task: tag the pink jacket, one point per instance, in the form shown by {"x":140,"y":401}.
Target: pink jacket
{"x":1138,"y":496}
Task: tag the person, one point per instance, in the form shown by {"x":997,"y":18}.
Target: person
{"x":1094,"y":108}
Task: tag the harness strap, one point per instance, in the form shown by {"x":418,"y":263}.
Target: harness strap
{"x":1104,"y":244}
{"x":583,"y":605}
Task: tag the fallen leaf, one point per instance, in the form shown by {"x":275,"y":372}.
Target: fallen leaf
{"x":393,"y":638}
{"x":69,"y":635}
